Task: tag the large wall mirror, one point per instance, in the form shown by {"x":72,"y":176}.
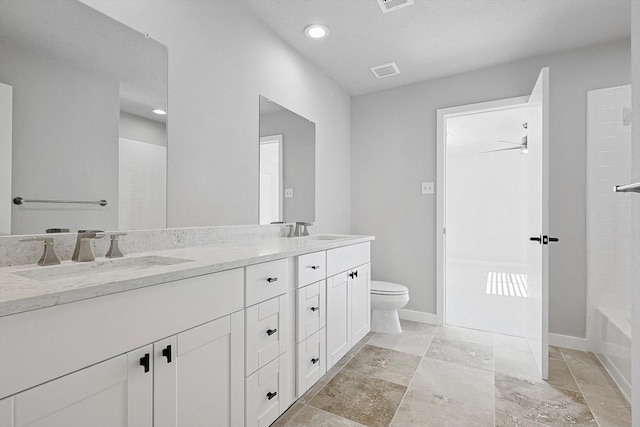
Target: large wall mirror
{"x":287,"y":165}
{"x":77,"y":94}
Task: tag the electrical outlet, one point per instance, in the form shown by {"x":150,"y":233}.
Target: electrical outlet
{"x":427,"y":188}
{"x":288,"y":193}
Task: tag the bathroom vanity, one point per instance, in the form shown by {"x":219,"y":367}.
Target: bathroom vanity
{"x":228,"y":334}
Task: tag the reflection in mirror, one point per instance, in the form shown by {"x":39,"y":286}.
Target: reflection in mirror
{"x":287,"y":165}
{"x":83,"y":88}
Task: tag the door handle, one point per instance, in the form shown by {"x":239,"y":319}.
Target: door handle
{"x":144,"y":362}
{"x":166,"y":352}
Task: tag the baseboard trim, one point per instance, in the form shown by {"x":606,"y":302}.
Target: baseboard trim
{"x":568,"y":341}
{"x":418,"y":316}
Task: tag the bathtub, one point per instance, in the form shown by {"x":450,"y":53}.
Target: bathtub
{"x":611,"y":342}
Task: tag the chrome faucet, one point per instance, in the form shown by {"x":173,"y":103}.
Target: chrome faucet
{"x":49,"y":256}
{"x":301,"y":229}
{"x":114,"y":250}
{"x":84,"y":251}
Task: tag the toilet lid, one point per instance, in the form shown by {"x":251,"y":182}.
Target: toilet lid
{"x":387,"y":288}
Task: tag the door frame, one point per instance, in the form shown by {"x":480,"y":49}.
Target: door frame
{"x":442,"y":115}
{"x":274,"y":139}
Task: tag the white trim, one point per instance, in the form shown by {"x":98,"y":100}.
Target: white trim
{"x":442,"y":115}
{"x":6,"y":141}
{"x":418,"y":316}
{"x":568,"y":341}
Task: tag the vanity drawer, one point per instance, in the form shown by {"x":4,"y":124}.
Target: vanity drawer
{"x":311,"y":364}
{"x":346,"y":257}
{"x":266,"y":280}
{"x":311,"y":268}
{"x":266,"y":392}
{"x":266,"y":327}
{"x":311,"y":310}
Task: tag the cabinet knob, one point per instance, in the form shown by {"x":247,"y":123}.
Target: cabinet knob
{"x":271,"y":331}
{"x":272,"y":279}
{"x":166,"y":352}
{"x":315,"y":360}
{"x":272,"y":394}
{"x":315,"y":267}
{"x":144,"y":361}
{"x":315,"y":308}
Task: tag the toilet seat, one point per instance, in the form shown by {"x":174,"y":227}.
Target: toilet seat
{"x":387,"y":288}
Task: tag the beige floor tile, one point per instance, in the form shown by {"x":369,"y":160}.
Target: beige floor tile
{"x":361,"y":398}
{"x":288,"y":415}
{"x":418,"y":327}
{"x":385,"y":364}
{"x":453,"y":333}
{"x":541,"y":402}
{"x":555,"y":353}
{"x":461,"y":352}
{"x":516,"y":363}
{"x":424,"y":409}
{"x":460,"y":383}
{"x":560,"y":375}
{"x":609,"y":413}
{"x":504,"y":420}
{"x":590,"y":375}
{"x":309,"y":416}
{"x":407,"y":342}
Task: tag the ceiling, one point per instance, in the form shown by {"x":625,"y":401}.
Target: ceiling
{"x":436,"y":38}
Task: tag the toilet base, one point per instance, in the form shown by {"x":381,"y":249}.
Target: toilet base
{"x":385,"y":321}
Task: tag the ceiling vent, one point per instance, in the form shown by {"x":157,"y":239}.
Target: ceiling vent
{"x":391,"y":5}
{"x":385,"y":70}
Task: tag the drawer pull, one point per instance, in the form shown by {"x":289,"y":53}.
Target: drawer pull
{"x":315,"y":308}
{"x":315,"y":267}
{"x":166,"y":352}
{"x":271,"y":331}
{"x":144,"y":361}
{"x":272,"y":279}
{"x":272,"y":394}
{"x":314,"y":361}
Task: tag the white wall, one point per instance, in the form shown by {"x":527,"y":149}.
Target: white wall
{"x":394,"y":149}
{"x":486,"y":206}
{"x":49,"y":141}
{"x":298,"y":136}
{"x":220,"y":59}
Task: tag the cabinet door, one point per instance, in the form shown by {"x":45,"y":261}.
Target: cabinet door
{"x":164,"y":382}
{"x":338,"y":318}
{"x":360,"y":302}
{"x":210,"y":374}
{"x":116,"y":392}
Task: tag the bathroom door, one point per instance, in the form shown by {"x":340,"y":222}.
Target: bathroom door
{"x":538,"y":222}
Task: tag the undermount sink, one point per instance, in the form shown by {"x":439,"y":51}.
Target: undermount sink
{"x":57,"y":272}
{"x":326,"y":237}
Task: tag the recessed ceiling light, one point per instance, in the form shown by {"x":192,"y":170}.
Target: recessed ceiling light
{"x":159,"y":112}
{"x":316,"y":31}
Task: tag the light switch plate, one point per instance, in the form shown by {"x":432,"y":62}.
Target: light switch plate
{"x":288,"y":193}
{"x":427,"y":188}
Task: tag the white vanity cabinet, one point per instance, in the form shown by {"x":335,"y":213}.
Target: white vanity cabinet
{"x":348,"y":299}
{"x":72,"y":364}
{"x":267,"y":331}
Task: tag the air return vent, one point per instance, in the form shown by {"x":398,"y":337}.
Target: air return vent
{"x":391,"y":5}
{"x":385,"y":70}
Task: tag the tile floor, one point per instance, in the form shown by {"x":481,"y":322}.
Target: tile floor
{"x":450,"y":376}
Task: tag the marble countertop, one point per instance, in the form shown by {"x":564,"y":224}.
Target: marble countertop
{"x":30,"y":287}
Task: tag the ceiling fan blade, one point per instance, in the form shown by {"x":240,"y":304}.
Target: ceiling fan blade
{"x":502,"y":149}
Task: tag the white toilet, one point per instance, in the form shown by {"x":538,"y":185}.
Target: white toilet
{"x":386,"y":299}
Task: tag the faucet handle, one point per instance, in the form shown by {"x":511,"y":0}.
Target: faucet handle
{"x":114,"y":250}
{"x":49,"y":256}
